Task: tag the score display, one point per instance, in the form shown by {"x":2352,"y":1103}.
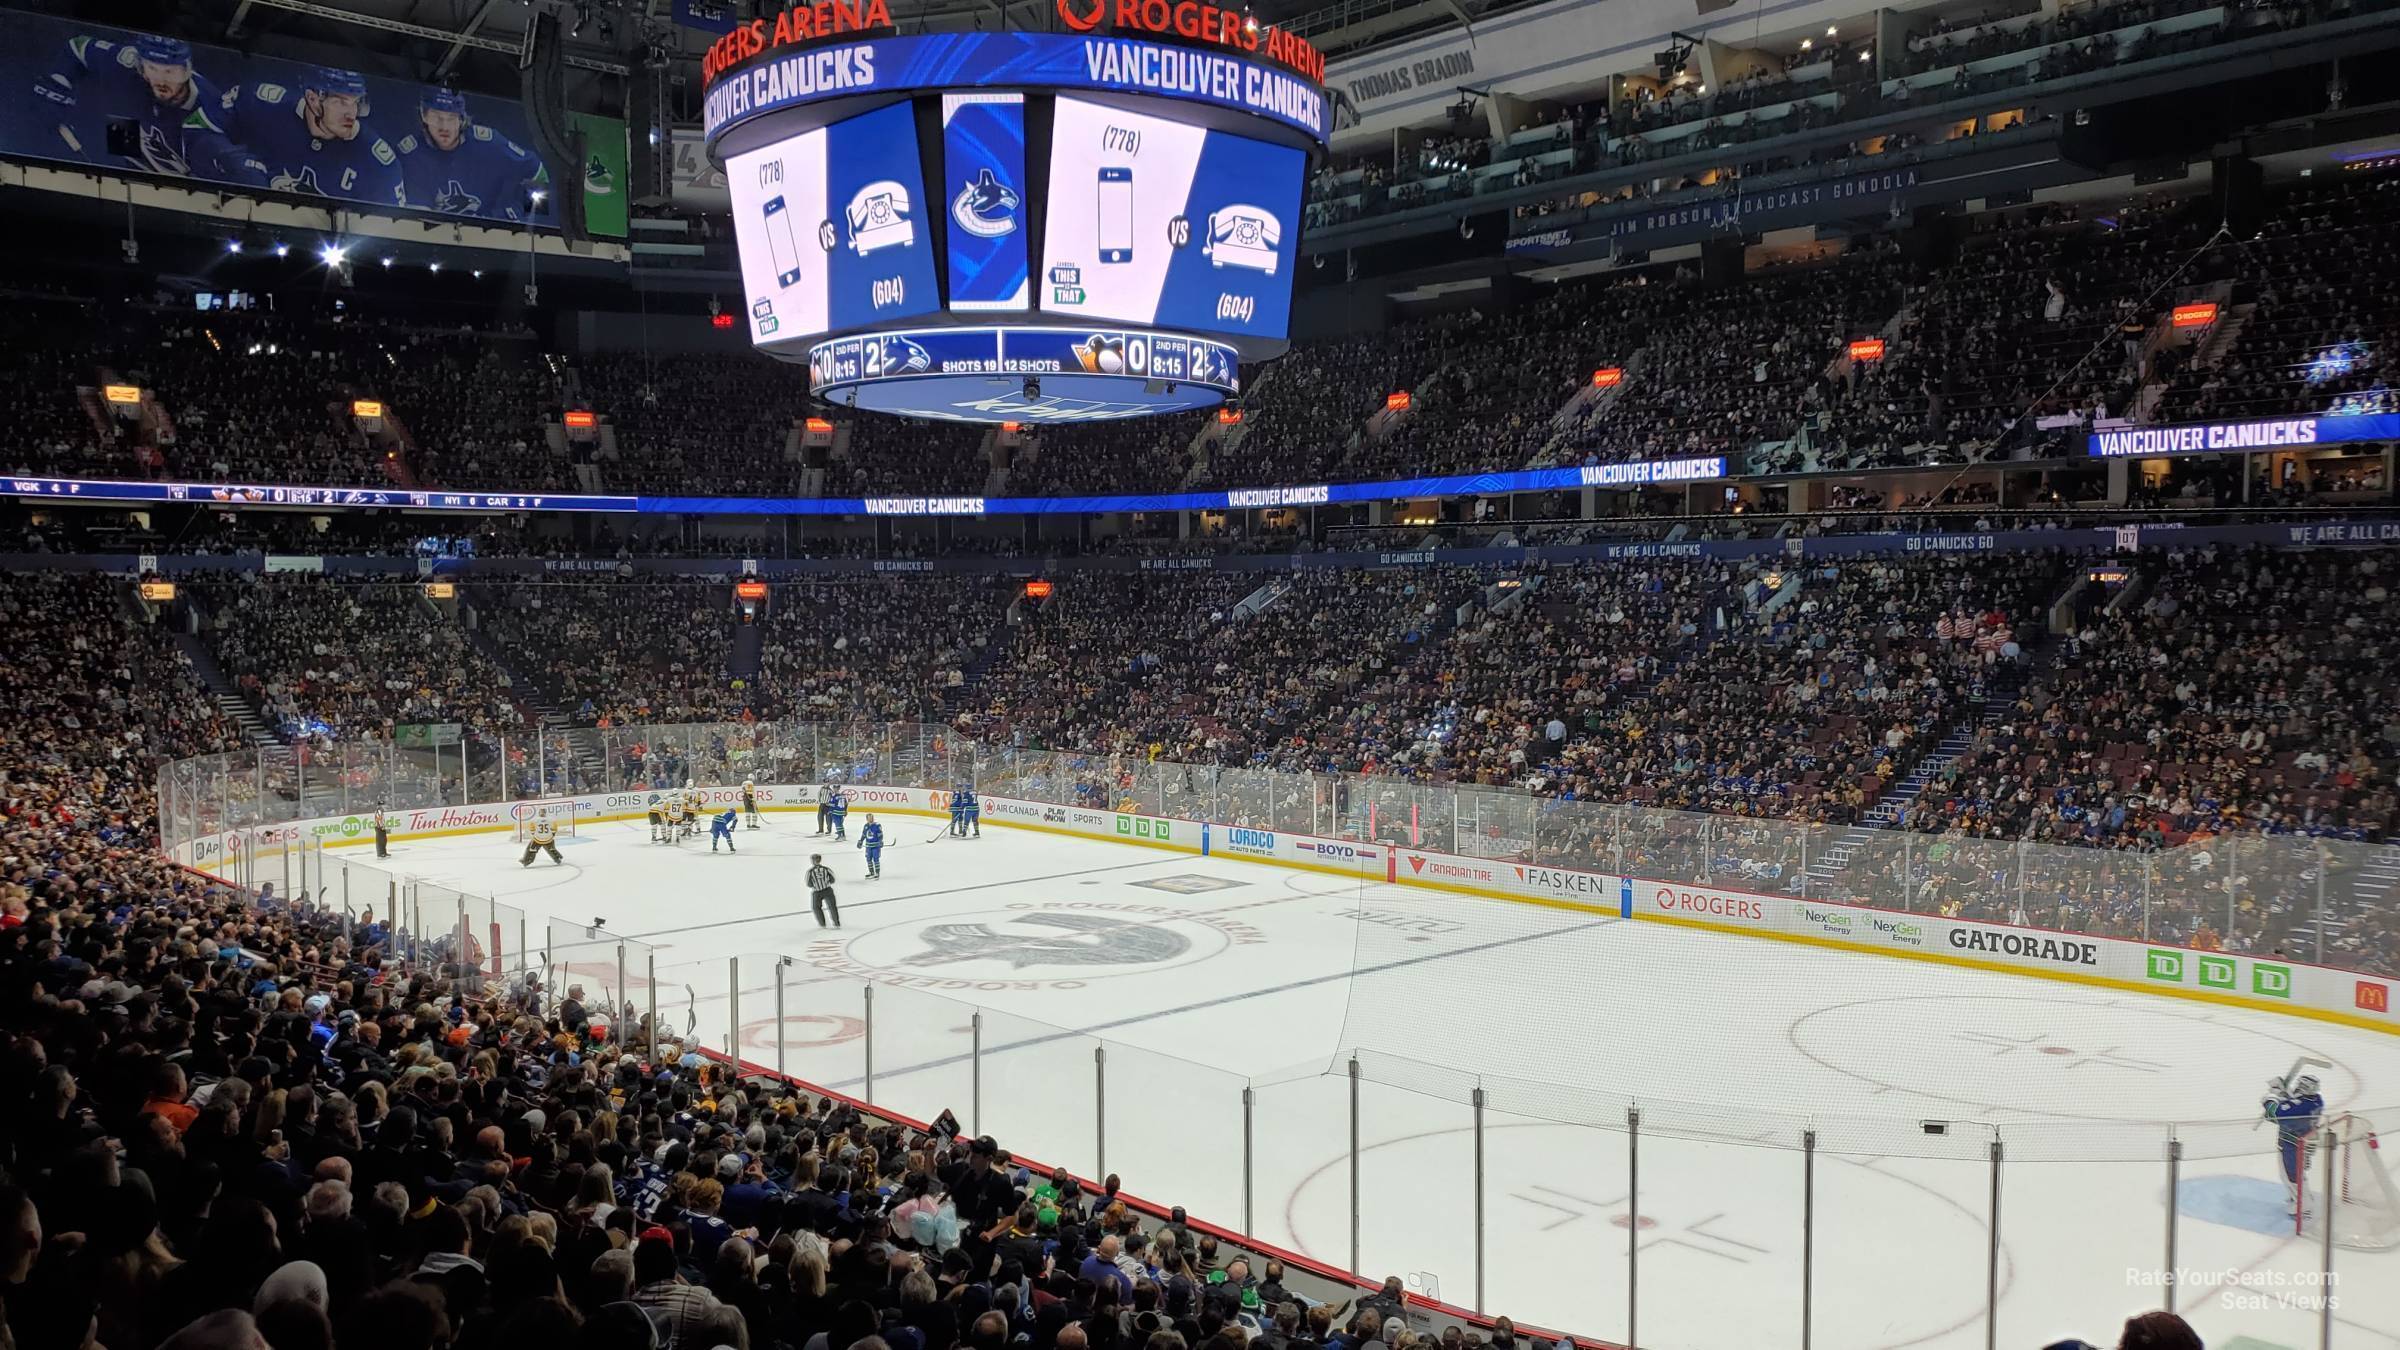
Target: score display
{"x":830,"y":228}
{"x":1151,"y":220}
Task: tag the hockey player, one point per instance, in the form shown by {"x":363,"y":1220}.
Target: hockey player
{"x":694,"y":800}
{"x":974,"y":811}
{"x":837,"y":808}
{"x":678,"y":818}
{"x":958,"y":812}
{"x":721,"y":828}
{"x":820,"y":891}
{"x":460,"y":167}
{"x":870,"y":838}
{"x":2296,"y":1108}
{"x":176,"y":113}
{"x":658,"y":822}
{"x":315,"y":139}
{"x":543,"y":839}
{"x":750,"y":802}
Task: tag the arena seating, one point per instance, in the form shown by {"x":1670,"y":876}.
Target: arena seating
{"x":327,"y":662}
{"x":1995,"y":350}
{"x":619,"y":653}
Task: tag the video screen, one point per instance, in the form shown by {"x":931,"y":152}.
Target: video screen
{"x":832,"y":229}
{"x":1155,"y":221}
{"x":983,"y":171}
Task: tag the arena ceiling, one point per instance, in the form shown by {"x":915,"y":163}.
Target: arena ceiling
{"x":475,"y":42}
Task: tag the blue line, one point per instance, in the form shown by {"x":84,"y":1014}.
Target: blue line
{"x":989,"y":1051}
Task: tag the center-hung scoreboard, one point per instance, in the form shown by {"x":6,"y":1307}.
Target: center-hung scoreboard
{"x":1098,"y":222}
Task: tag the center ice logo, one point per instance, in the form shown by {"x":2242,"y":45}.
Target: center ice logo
{"x":1048,"y":939}
{"x":1035,"y":944}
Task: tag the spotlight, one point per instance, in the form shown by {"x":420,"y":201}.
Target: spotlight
{"x":233,"y":246}
{"x":282,"y":249}
{"x":387,"y":260}
{"x":479,"y":274}
{"x":433,"y":267}
{"x":1831,"y":31}
{"x":332,"y":255}
{"x":1866,"y":55}
{"x":538,"y":196}
{"x":1808,"y":44}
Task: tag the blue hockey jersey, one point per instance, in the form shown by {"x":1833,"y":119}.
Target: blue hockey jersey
{"x":99,"y":81}
{"x":271,"y":122}
{"x":2296,"y":1117}
{"x":486,"y":174}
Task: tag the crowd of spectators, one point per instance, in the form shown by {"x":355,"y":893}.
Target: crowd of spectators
{"x":2314,"y":289}
{"x":2037,"y":321}
{"x":329,"y":661}
{"x":2237,"y":695}
{"x":254,"y":1126}
{"x":883,"y":649}
{"x":617,"y":653}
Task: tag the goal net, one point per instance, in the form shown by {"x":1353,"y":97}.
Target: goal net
{"x":2347,"y":1153}
{"x":559,"y":811}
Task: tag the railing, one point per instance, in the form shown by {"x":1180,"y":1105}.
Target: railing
{"x":1389,"y":1153}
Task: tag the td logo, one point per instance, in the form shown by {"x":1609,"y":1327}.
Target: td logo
{"x":1141,"y":827}
{"x":2166,"y":965}
{"x":2271,"y":981}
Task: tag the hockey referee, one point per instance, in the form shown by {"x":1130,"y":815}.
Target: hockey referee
{"x":820,"y":891}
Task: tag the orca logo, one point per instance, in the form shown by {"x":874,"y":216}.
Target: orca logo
{"x":985,"y":208}
{"x":1081,"y":23}
{"x":1050,"y":939}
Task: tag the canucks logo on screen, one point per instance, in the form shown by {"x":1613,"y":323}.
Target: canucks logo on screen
{"x":986,"y":207}
{"x":895,"y":355}
{"x":983,"y":164}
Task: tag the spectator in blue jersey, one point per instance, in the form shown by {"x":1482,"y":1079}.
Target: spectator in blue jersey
{"x":459,"y":167}
{"x":149,"y":83}
{"x":315,"y":139}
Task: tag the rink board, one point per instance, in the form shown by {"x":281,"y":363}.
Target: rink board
{"x":2288,"y":987}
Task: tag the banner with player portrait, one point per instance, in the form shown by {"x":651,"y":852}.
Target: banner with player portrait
{"x":154,"y":105}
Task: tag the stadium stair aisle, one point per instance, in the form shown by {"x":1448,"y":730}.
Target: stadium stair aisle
{"x":222,"y":691}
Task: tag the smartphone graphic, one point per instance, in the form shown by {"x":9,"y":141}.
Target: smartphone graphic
{"x":780,"y":242}
{"x":1116,"y":215}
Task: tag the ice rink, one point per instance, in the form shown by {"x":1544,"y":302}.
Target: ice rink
{"x":1203,"y":976}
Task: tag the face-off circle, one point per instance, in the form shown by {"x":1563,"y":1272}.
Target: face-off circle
{"x":2131,"y":1060}
{"x":1725,"y":1217}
